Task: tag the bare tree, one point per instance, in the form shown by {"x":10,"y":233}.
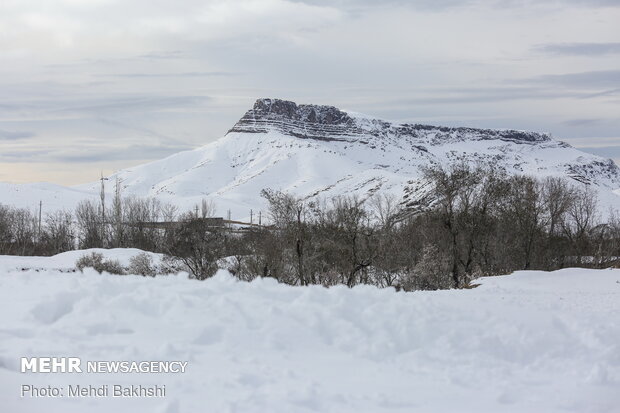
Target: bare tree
{"x":90,"y":227}
{"x":199,"y":245}
{"x":6,"y":235}
{"x":524,"y":212}
{"x":456,"y":191}
{"x":582,"y":218}
{"x":59,"y":234}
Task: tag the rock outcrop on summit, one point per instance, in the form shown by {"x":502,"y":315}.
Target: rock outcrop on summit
{"x":317,"y":151}
{"x":329,"y":123}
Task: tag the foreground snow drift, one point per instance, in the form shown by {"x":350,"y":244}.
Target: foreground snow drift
{"x":528,"y":342}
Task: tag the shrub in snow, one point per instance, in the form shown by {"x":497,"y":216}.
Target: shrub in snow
{"x":432,"y":272}
{"x":198,"y":245}
{"x":171,"y":265}
{"x":95,"y":260}
{"x":240,"y":266}
{"x":142,"y":264}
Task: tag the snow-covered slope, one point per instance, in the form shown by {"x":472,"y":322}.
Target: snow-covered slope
{"x":55,"y":197}
{"x":322,"y":151}
{"x":529,"y":342}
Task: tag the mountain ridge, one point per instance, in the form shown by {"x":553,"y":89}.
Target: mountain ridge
{"x":321,"y":151}
{"x":278,"y":113}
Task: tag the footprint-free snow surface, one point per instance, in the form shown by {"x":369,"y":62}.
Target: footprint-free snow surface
{"x":527,"y":342}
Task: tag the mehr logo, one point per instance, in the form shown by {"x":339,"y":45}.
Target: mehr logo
{"x":74,"y":365}
{"x":51,"y":365}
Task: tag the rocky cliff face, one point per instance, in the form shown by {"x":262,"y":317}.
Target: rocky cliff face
{"x":328,"y":123}
{"x":325,"y":123}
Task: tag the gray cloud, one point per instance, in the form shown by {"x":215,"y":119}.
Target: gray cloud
{"x":579,"y":49}
{"x":604,"y":93}
{"x":581,"y":122}
{"x":144,"y":131}
{"x":89,"y":153}
{"x":138,"y":103}
{"x":106,"y":104}
{"x":358,"y":5}
{"x":182,"y":74}
{"x":491,"y":94}
{"x":605,"y":151}
{"x":127,"y":153}
{"x":29,"y":154}
{"x":15,"y":135}
{"x":163,"y":55}
{"x":590,"y":3}
{"x":588,"y":80}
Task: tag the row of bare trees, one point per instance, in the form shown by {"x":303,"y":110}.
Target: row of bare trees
{"x":23,"y":233}
{"x":475,"y":222}
{"x":128,"y":223}
{"x":480,"y":222}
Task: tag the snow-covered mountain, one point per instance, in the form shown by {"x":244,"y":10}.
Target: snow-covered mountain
{"x":315,"y":151}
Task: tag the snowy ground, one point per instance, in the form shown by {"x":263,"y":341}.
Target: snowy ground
{"x":66,"y":260}
{"x":528,"y":342}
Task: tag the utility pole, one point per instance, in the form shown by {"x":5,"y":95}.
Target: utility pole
{"x":251,"y":216}
{"x":260,"y":213}
{"x":102,"y":196}
{"x":40,"y":209}
{"x":118,"y":212}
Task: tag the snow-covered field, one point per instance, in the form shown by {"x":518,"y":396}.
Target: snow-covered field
{"x":528,"y":342}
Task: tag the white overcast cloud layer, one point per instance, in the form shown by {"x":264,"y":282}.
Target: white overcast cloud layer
{"x":96,"y":85}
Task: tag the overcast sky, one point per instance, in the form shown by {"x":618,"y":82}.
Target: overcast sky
{"x":97,"y":85}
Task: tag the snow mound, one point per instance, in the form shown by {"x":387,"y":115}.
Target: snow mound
{"x":528,"y":342}
{"x":66,"y":261}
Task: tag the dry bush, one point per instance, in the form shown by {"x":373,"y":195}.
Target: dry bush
{"x":96,"y":261}
{"x":142,"y":264}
